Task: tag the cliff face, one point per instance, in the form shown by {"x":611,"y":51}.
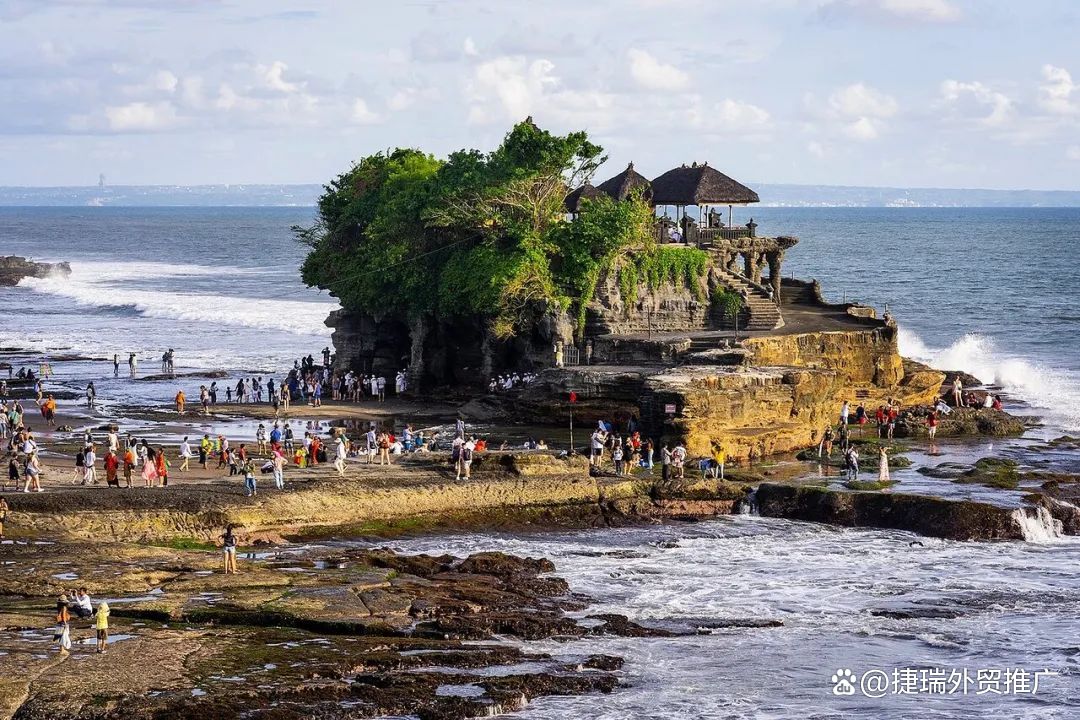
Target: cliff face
{"x":779,"y":400}
{"x":793,"y":389}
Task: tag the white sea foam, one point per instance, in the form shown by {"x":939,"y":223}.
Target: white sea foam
{"x":96,"y":284}
{"x":1054,"y":391}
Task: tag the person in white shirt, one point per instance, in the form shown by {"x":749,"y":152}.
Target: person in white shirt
{"x":185,"y":454}
{"x":89,"y":471}
{"x":340,"y":454}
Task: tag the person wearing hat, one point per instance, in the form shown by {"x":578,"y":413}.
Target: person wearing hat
{"x":62,"y":636}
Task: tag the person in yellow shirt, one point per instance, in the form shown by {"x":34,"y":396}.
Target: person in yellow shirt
{"x":180,"y":400}
{"x":719,"y":456}
{"x":101,"y":624}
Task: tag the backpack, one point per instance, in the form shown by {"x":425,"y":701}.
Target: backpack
{"x":80,"y":459}
{"x":466,"y":453}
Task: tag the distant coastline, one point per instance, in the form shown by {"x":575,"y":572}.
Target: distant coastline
{"x":304,"y":195}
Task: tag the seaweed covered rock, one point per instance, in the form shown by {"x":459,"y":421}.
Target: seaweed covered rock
{"x":932,"y":516}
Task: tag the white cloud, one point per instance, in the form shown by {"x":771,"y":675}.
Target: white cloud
{"x":141,"y":117}
{"x":651,"y":74}
{"x":1073,"y":152}
{"x":1056,"y":91}
{"x":861,"y":101}
{"x":862,"y":129}
{"x":726,"y":116}
{"x":508,"y":88}
{"x":362,"y":114}
{"x":857,"y":111}
{"x":917,"y":11}
{"x":977,"y":101}
{"x":469,"y":48}
{"x":816,"y":149}
{"x":165,"y":80}
{"x":274,"y":77}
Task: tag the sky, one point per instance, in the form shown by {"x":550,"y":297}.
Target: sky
{"x":905,"y":93}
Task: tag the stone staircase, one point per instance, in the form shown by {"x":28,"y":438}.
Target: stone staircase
{"x":762,"y":312}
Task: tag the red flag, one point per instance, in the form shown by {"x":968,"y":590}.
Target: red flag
{"x":573,"y":396}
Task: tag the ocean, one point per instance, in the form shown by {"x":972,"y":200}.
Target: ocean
{"x":990,"y":291}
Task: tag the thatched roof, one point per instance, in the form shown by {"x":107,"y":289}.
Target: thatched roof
{"x":572,"y":203}
{"x":620,"y":186}
{"x":700,"y":185}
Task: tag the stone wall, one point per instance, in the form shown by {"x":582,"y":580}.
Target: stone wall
{"x":671,"y":307}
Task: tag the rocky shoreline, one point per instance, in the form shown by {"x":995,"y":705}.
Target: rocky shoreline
{"x":336,"y":633}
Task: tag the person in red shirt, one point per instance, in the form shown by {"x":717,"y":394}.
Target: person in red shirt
{"x":112,"y":464}
{"x":932,"y":423}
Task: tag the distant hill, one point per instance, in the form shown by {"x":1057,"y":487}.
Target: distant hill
{"x":304,"y":195}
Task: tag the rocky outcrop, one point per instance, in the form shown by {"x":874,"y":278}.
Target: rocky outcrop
{"x":932,"y":516}
{"x":961,"y":422}
{"x":14,"y":268}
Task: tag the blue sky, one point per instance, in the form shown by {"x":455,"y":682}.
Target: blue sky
{"x":938,"y":93}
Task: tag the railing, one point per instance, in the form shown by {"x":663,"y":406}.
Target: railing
{"x":702,"y":236}
{"x":571,"y":355}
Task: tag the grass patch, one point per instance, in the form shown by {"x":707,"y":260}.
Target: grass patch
{"x":184,"y":543}
{"x":869,"y":484}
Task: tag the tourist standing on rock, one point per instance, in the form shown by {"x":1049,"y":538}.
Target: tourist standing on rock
{"x":129,"y":464}
{"x":932,"y":423}
{"x":32,"y":474}
{"x":845,"y":411}
{"x":91,"y":395}
{"x":62,"y":636}
{"x":161,"y":466}
{"x":719,"y":456}
{"x":468,"y":449}
{"x":649,"y":450}
{"x":891,"y":417}
{"x":617,"y":455}
{"x":204,"y":399}
{"x":279,"y":468}
{"x":149,"y":469}
{"x":826,"y":443}
{"x":958,"y":392}
{"x":89,"y":471}
{"x":133,"y":364}
{"x":340,"y":453}
{"x":213,"y":392}
{"x":883,"y":465}
{"x":180,"y":399}
{"x":678,"y":461}
{"x":205,"y":447}
{"x":48,"y":409}
{"x":101,"y":624}
{"x":112,"y":463}
{"x":596,"y":442}
{"x":116,"y":365}
{"x":384,"y":449}
{"x":249,"y":479}
{"x":260,"y":439}
{"x":851,"y":462}
{"x":228,"y":546}
{"x":3,"y":515}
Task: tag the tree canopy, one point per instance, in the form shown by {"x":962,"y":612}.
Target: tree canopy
{"x":478,"y":234}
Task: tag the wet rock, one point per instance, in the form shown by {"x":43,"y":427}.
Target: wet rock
{"x":14,"y":268}
{"x":998,"y":473}
{"x":961,"y":422}
{"x":915,"y":613}
{"x":612,"y":624}
{"x":932,"y":516}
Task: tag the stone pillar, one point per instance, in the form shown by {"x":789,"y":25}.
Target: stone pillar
{"x":748,"y":264}
{"x":776,"y":260}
